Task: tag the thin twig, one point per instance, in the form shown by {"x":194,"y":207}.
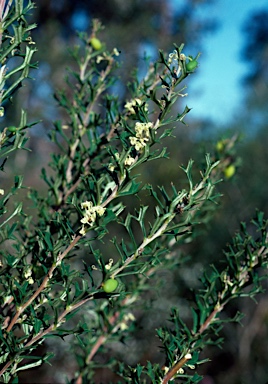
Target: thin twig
{"x":145,"y":242}
{"x":6,"y":367}
{"x":210,"y":318}
{"x":61,"y":256}
{"x":61,"y":319}
{"x":73,"y":148}
{"x":76,"y":184}
{"x":71,"y":161}
{"x":172,"y":372}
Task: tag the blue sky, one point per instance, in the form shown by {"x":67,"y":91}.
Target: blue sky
{"x":217,"y":81}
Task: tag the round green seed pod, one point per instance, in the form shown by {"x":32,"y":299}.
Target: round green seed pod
{"x":110,"y":285}
{"x":12,"y":128}
{"x":191,"y":65}
{"x":220,"y":145}
{"x":229,"y":171}
{"x":95,"y":43}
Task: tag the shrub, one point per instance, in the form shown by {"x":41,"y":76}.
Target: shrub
{"x":85,"y":263}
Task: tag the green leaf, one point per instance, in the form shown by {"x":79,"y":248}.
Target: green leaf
{"x":17,"y":210}
{"x":195,"y":320}
{"x":131,"y":188}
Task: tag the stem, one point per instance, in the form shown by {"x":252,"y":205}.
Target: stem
{"x":210,"y":318}
{"x":61,"y":318}
{"x":101,"y":339}
{"x":51,"y":328}
{"x":112,"y":196}
{"x":99,"y":91}
{"x":71,"y":161}
{"x":21,"y":309}
{"x":78,"y":181}
{"x":5,"y":367}
{"x":139,"y":250}
{"x":172,"y":372}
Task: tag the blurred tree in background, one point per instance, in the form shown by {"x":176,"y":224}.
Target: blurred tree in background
{"x":139,"y":26}
{"x":255,"y":52}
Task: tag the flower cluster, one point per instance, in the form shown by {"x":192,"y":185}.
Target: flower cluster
{"x":134,"y":103}
{"x":90,"y":214}
{"x":28,"y":274}
{"x":174,"y":56}
{"x":142,"y":135}
{"x":129,"y":160}
{"x":124,"y":324}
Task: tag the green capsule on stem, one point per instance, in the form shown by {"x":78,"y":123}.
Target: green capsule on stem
{"x":110,"y":285}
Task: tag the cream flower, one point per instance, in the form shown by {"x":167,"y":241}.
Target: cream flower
{"x":83,"y":231}
{"x":90,"y":214}
{"x":134,"y":103}
{"x":142,"y":135}
{"x":109,"y":265}
{"x":30,"y":280}
{"x":116,"y":52}
{"x":143,"y":129}
{"x":100,"y":210}
{"x":138,"y":143}
{"x":129,"y":160}
{"x":173,"y":56}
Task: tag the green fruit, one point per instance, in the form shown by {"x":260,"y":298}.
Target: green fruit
{"x":220,"y":145}
{"x":95,"y":43}
{"x":191,"y":65}
{"x":12,"y":128}
{"x":110,"y":285}
{"x":229,"y":171}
